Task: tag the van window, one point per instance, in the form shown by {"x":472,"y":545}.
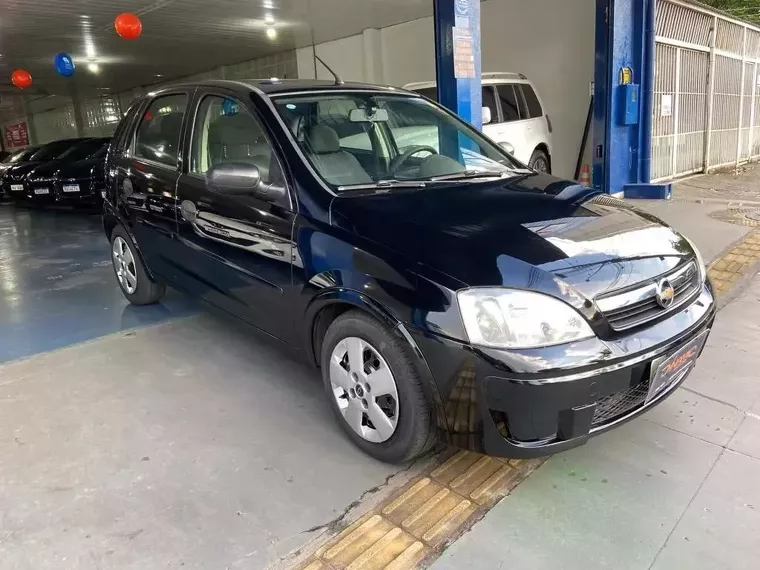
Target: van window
{"x":508,"y":100}
{"x":534,"y":105}
{"x":489,"y":100}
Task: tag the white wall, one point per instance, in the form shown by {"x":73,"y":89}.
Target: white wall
{"x":550,"y":41}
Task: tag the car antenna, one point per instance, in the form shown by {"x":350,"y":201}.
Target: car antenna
{"x":338,"y":80}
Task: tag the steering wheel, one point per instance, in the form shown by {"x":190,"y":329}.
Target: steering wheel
{"x":399,"y":161}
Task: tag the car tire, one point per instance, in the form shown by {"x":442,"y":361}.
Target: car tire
{"x":539,"y":161}
{"x":382,"y":353}
{"x":134,"y":281}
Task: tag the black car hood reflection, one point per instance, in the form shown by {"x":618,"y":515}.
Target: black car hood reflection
{"x":523,"y":232}
{"x":19,"y":171}
{"x":82,"y":169}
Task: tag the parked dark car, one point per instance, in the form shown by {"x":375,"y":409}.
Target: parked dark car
{"x":76,"y":177}
{"x":14,"y":179}
{"x":442,"y":288}
{"x":14,"y":158}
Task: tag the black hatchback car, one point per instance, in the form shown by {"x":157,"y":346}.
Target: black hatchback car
{"x":444,"y":290}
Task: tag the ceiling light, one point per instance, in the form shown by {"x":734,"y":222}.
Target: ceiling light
{"x":271,"y":33}
{"x":93,"y":68}
{"x":84,"y":17}
{"x":269,"y":19}
{"x":158,"y":75}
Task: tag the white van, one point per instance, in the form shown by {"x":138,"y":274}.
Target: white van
{"x":513,"y":116}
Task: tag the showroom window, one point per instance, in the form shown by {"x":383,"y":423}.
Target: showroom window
{"x":158,"y":137}
{"x":225,"y":131}
{"x":534,"y":106}
{"x":508,"y":100}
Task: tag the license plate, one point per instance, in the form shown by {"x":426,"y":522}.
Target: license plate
{"x":17,"y":187}
{"x":672,"y":368}
{"x":71,"y":187}
{"x":40,"y":191}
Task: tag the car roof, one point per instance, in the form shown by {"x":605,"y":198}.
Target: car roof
{"x":486,"y":78}
{"x":283,"y":86}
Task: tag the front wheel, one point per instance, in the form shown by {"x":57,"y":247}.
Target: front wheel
{"x":375,"y":390}
{"x":133,"y":279}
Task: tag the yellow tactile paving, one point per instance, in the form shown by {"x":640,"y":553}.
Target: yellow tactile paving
{"x":413,"y":526}
{"x":735,"y":263}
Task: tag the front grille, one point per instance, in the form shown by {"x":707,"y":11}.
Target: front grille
{"x":619,"y":404}
{"x":634,"y":307}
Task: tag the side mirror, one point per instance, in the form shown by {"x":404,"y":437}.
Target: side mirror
{"x":233,"y":178}
{"x":508,"y":148}
{"x":241,"y":179}
{"x":487,"y":118}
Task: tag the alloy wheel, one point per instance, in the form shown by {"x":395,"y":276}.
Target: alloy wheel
{"x":124,"y":264}
{"x":364,"y":389}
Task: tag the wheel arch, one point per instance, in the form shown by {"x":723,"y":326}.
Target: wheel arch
{"x":330,"y":304}
{"x":543,"y":147}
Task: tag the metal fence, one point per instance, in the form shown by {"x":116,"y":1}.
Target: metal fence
{"x":707,"y":91}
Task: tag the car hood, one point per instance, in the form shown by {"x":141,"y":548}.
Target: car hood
{"x":18,"y":172}
{"x":81,"y":168}
{"x":534,"y":232}
{"x":45,"y":169}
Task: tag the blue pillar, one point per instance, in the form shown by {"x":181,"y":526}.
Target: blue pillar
{"x":624,"y":83}
{"x":457,"y":57}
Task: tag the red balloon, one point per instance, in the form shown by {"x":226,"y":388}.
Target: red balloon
{"x":128,"y":26}
{"x":21,"y":78}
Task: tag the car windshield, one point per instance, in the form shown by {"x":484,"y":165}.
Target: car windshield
{"x":83,"y":150}
{"x":52,"y":151}
{"x":365,"y":139}
{"x":14,"y":157}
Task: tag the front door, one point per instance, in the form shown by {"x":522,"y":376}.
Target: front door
{"x":146,"y":176}
{"x":235,"y":251}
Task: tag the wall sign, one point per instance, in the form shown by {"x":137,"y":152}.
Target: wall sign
{"x":464,"y":55}
{"x":16,"y":135}
{"x":666,"y":106}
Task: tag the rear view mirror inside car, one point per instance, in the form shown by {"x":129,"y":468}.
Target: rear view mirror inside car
{"x":368,"y":116}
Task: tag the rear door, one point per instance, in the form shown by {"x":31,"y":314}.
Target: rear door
{"x":537,"y":120}
{"x":144,"y":177}
{"x":235,"y":251}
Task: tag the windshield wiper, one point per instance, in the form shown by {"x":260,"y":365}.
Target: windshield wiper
{"x":384,"y":185}
{"x":470,"y":174}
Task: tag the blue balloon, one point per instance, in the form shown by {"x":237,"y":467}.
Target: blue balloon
{"x":64,"y":65}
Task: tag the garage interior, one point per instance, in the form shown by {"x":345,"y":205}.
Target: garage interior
{"x":171,"y":436}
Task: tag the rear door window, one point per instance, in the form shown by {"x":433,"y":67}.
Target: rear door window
{"x":531,"y":100}
{"x":509,"y":105}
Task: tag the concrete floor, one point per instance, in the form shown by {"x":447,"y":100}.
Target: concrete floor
{"x":57,"y":286}
{"x":187,"y":444}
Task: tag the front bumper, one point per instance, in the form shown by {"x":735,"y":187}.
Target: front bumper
{"x":542,"y":401}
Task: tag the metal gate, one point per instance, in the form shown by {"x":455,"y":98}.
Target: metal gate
{"x":706,"y":91}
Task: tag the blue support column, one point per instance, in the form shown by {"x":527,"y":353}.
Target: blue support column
{"x":457,"y":57}
{"x":624,"y":83}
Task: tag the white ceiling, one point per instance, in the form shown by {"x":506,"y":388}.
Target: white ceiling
{"x":180,"y":37}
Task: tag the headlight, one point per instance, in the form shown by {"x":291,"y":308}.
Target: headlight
{"x":510,"y":318}
{"x":700,"y":261}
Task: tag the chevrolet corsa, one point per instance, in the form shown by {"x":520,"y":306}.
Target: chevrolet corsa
{"x":445,"y":291}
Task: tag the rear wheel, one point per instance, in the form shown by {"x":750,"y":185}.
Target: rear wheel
{"x":539,"y":162}
{"x":133,"y":279}
{"x":374,"y":389}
